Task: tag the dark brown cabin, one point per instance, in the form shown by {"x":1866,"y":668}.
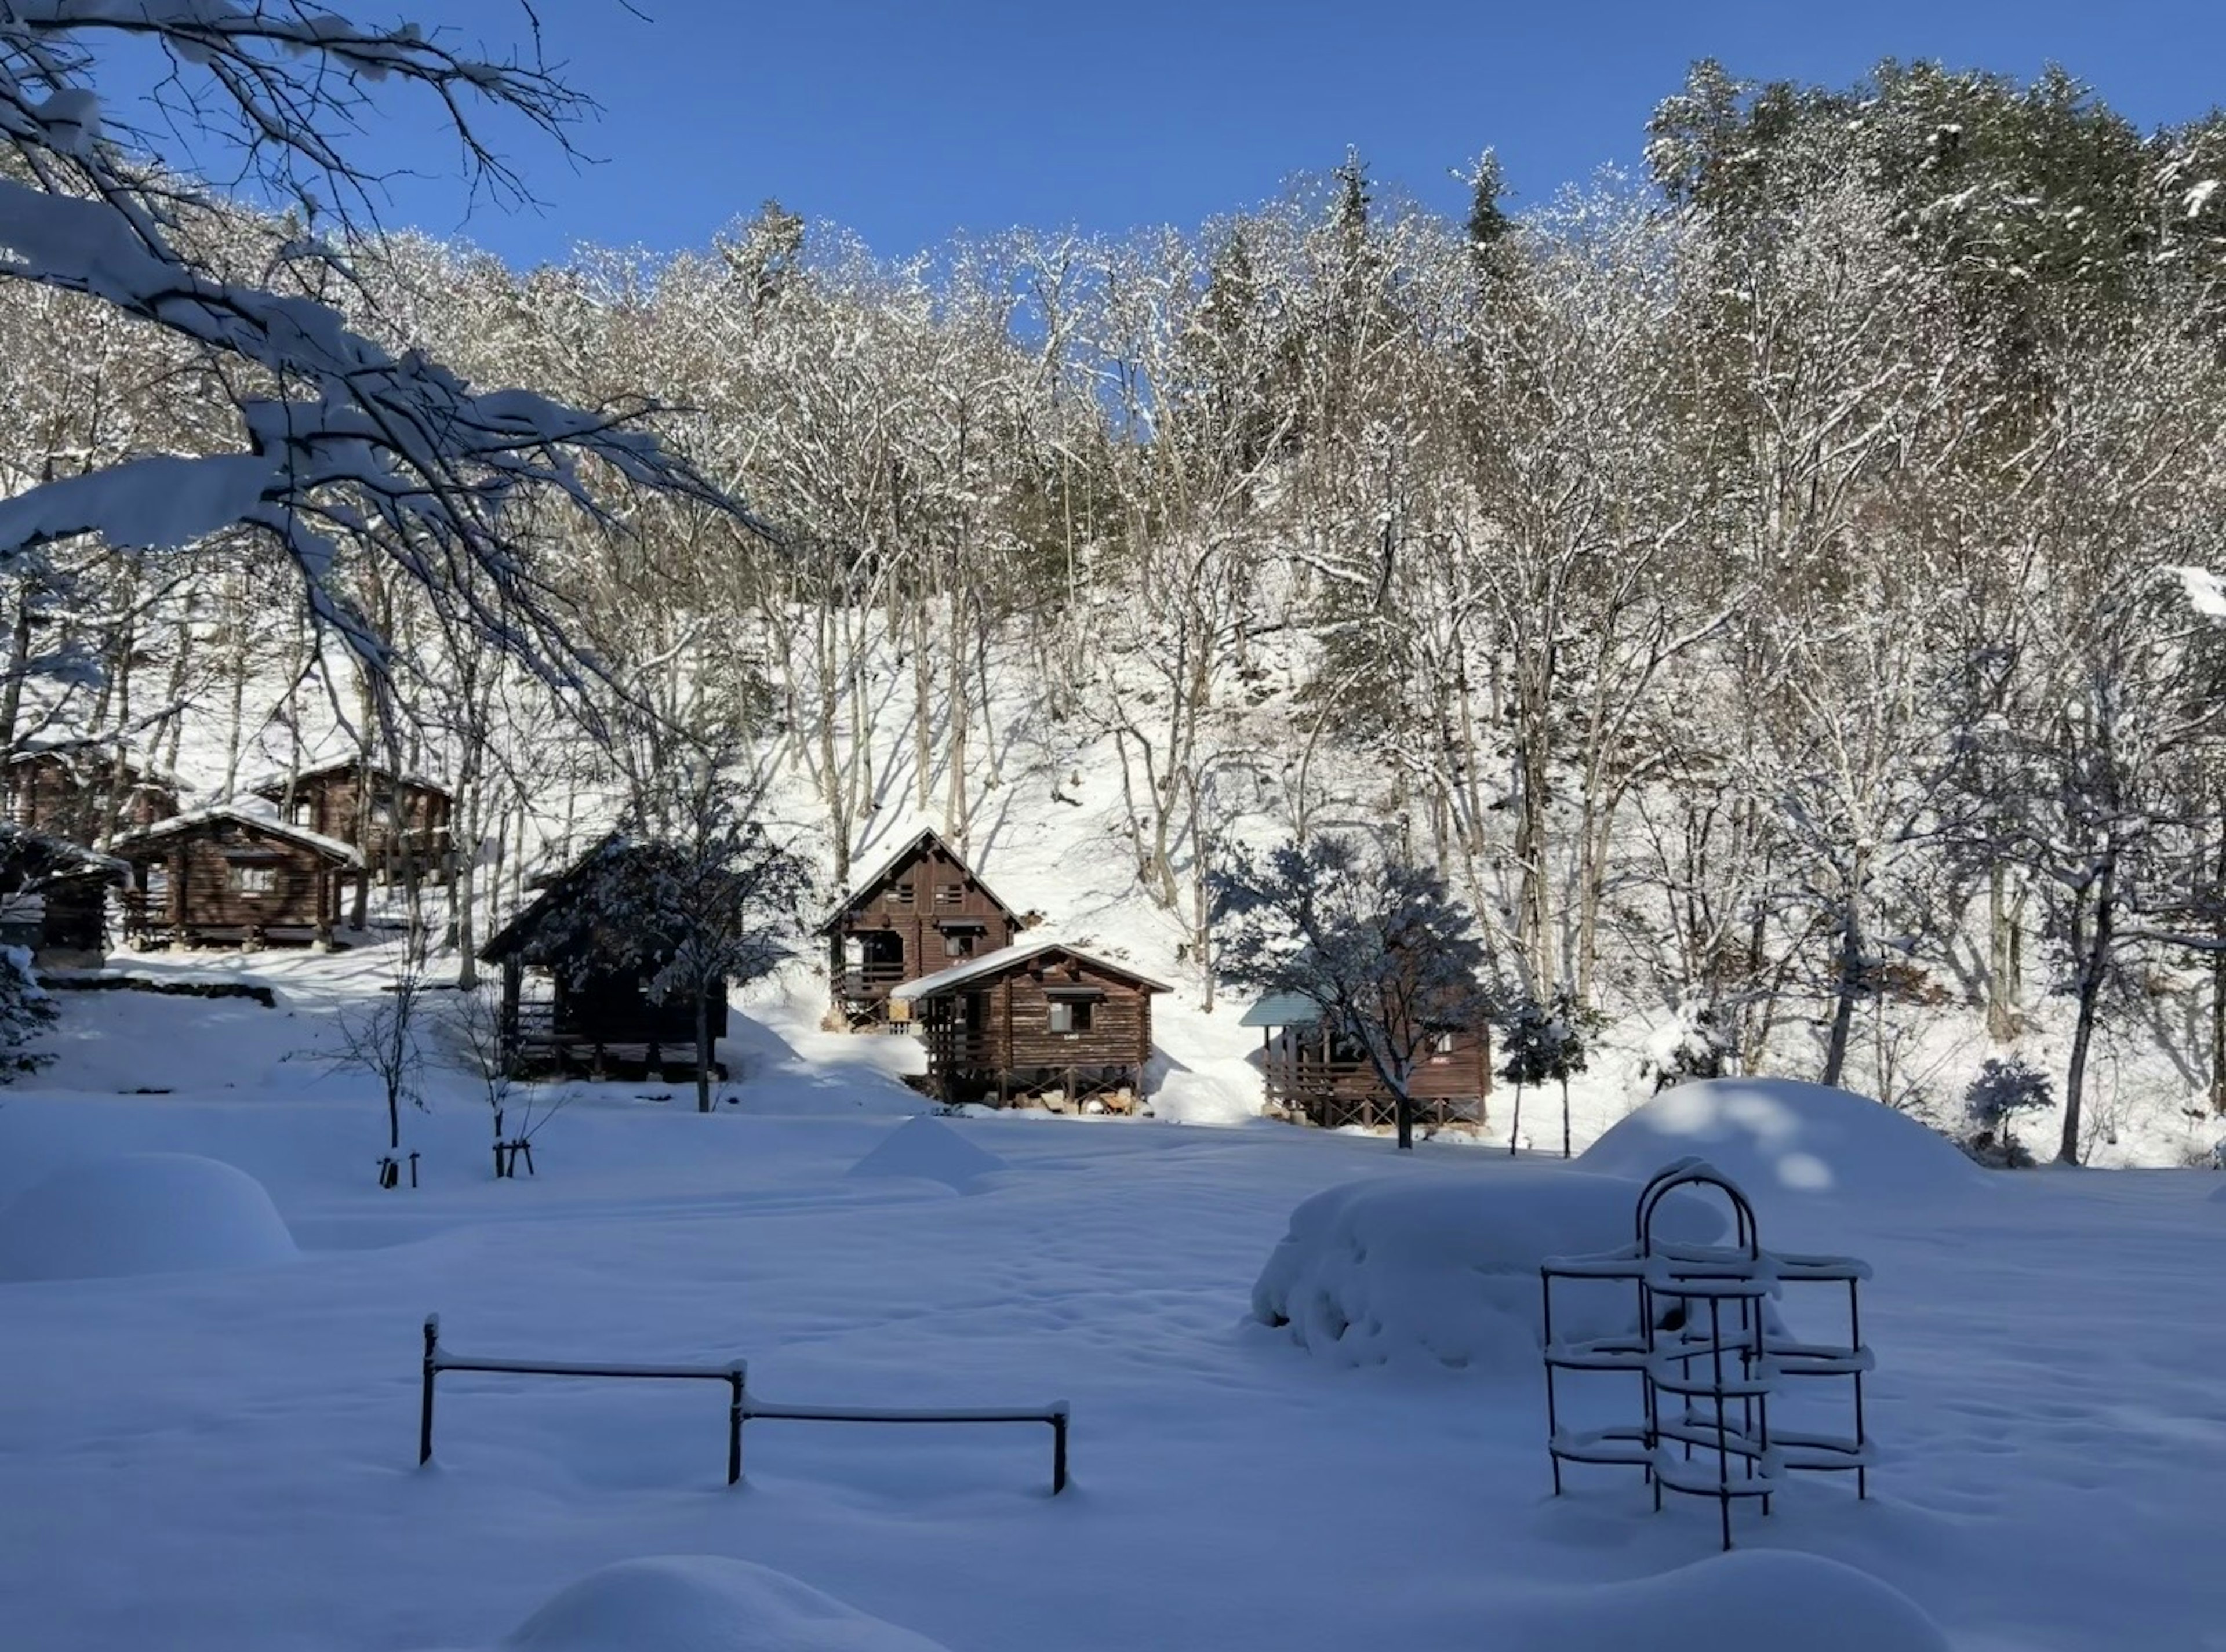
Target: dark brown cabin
{"x":1025,"y":1021}
{"x":231,"y":875}
{"x":922,"y":909}
{"x":400,"y":823}
{"x":564,"y":1010}
{"x":85,"y":794}
{"x":54,"y":898}
{"x":1315,"y":1075}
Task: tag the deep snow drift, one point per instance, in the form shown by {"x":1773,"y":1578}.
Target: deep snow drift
{"x":704,"y":1603}
{"x":140,"y":1213}
{"x":1778,"y":1137}
{"x":927,"y":1148}
{"x":1753,"y":1600}
{"x":1444,"y":1268}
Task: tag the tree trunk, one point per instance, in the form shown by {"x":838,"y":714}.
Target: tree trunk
{"x":1565,"y":1118}
{"x":2093,"y":967}
{"x":1514,"y":1122}
{"x":2001,"y":958}
{"x":1848,"y":990}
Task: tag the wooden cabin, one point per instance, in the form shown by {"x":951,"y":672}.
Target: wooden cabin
{"x":1313,"y":1074}
{"x":85,"y":794}
{"x":922,"y":909}
{"x":54,"y":898}
{"x":1030,"y":1021}
{"x":564,"y":1009}
{"x":234,"y":875}
{"x":401,"y":823}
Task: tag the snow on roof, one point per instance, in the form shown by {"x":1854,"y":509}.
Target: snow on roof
{"x":275,"y":780}
{"x":1282,"y":1009}
{"x":1005,"y":957}
{"x":59,"y":848}
{"x":74,"y":752}
{"x":248,"y":813}
{"x":889,"y":863}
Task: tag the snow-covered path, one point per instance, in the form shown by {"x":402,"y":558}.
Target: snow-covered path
{"x":226,"y":1460}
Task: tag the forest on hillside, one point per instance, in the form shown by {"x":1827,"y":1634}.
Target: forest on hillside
{"x":1773,"y":586}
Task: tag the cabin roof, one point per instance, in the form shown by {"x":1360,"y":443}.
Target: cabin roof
{"x":1010,"y":957}
{"x":43,"y":854}
{"x":246,"y":814}
{"x":273,"y":783}
{"x":1282,"y":1009}
{"x":516,"y":936}
{"x":73,"y":754}
{"x":911,"y":846}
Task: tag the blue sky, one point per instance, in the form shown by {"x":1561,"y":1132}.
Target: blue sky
{"x":908,"y":122}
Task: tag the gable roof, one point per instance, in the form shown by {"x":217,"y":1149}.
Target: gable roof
{"x":273,"y":785}
{"x":513,"y":937}
{"x":77,"y":755}
{"x":1008,"y":957}
{"x":865,"y":886}
{"x":1282,"y":1009}
{"x":40,"y":854}
{"x":246,"y":814}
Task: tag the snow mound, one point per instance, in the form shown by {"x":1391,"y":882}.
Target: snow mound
{"x":927,"y":1148}
{"x":1775,"y":1135}
{"x":1445,"y":1267}
{"x":702,"y":1603}
{"x":1766,"y":1599}
{"x":1220,"y":1094}
{"x":140,"y":1213}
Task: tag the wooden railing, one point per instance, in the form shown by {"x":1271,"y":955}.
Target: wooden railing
{"x":873,"y":980}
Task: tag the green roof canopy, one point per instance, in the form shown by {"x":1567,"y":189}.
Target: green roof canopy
{"x":1282,"y":1009}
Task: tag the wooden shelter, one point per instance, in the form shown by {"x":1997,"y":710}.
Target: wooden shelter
{"x":54,"y":898}
{"x":922,"y":909}
{"x":1314,"y":1074}
{"x":84,"y":793}
{"x":1029,"y":1020}
{"x":584,"y":1013}
{"x":401,"y":823}
{"x":234,"y":874}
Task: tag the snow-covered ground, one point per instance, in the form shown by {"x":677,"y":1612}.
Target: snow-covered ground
{"x":224,"y":1458}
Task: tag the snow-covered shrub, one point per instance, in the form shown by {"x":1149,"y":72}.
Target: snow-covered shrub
{"x":2003,"y":1090}
{"x":1543,"y":1043}
{"x":25,"y":1011}
{"x":1695,"y":1045}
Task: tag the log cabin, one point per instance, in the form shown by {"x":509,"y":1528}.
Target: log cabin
{"x":1313,"y":1074}
{"x":1035,"y":1021}
{"x":234,"y":874}
{"x":54,"y":898}
{"x":401,"y":823}
{"x":921,"y":910}
{"x":84,"y":793}
{"x":564,"y":1009}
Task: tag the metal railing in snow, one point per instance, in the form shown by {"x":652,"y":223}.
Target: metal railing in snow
{"x":742,"y":1407}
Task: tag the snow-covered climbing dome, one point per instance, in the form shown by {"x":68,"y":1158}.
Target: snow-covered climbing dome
{"x":1444,"y":1268}
{"x":702,"y":1603}
{"x":927,"y":1148}
{"x":1775,"y":1136}
{"x":1769,"y":1601}
{"x":140,"y":1213}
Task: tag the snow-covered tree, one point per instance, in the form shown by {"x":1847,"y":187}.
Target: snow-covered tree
{"x":1542,"y":1042}
{"x":1378,"y":945}
{"x":2004,"y":1089}
{"x":25,"y":1011}
{"x":338,"y":445}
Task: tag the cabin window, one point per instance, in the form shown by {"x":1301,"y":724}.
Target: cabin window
{"x":959,"y":944}
{"x":949,"y":894}
{"x":900,"y":895}
{"x":156,"y":879}
{"x":1070,"y":1015}
{"x":382,"y":813}
{"x":255,"y":879}
{"x":305,"y":812}
{"x":1442,"y":1044}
